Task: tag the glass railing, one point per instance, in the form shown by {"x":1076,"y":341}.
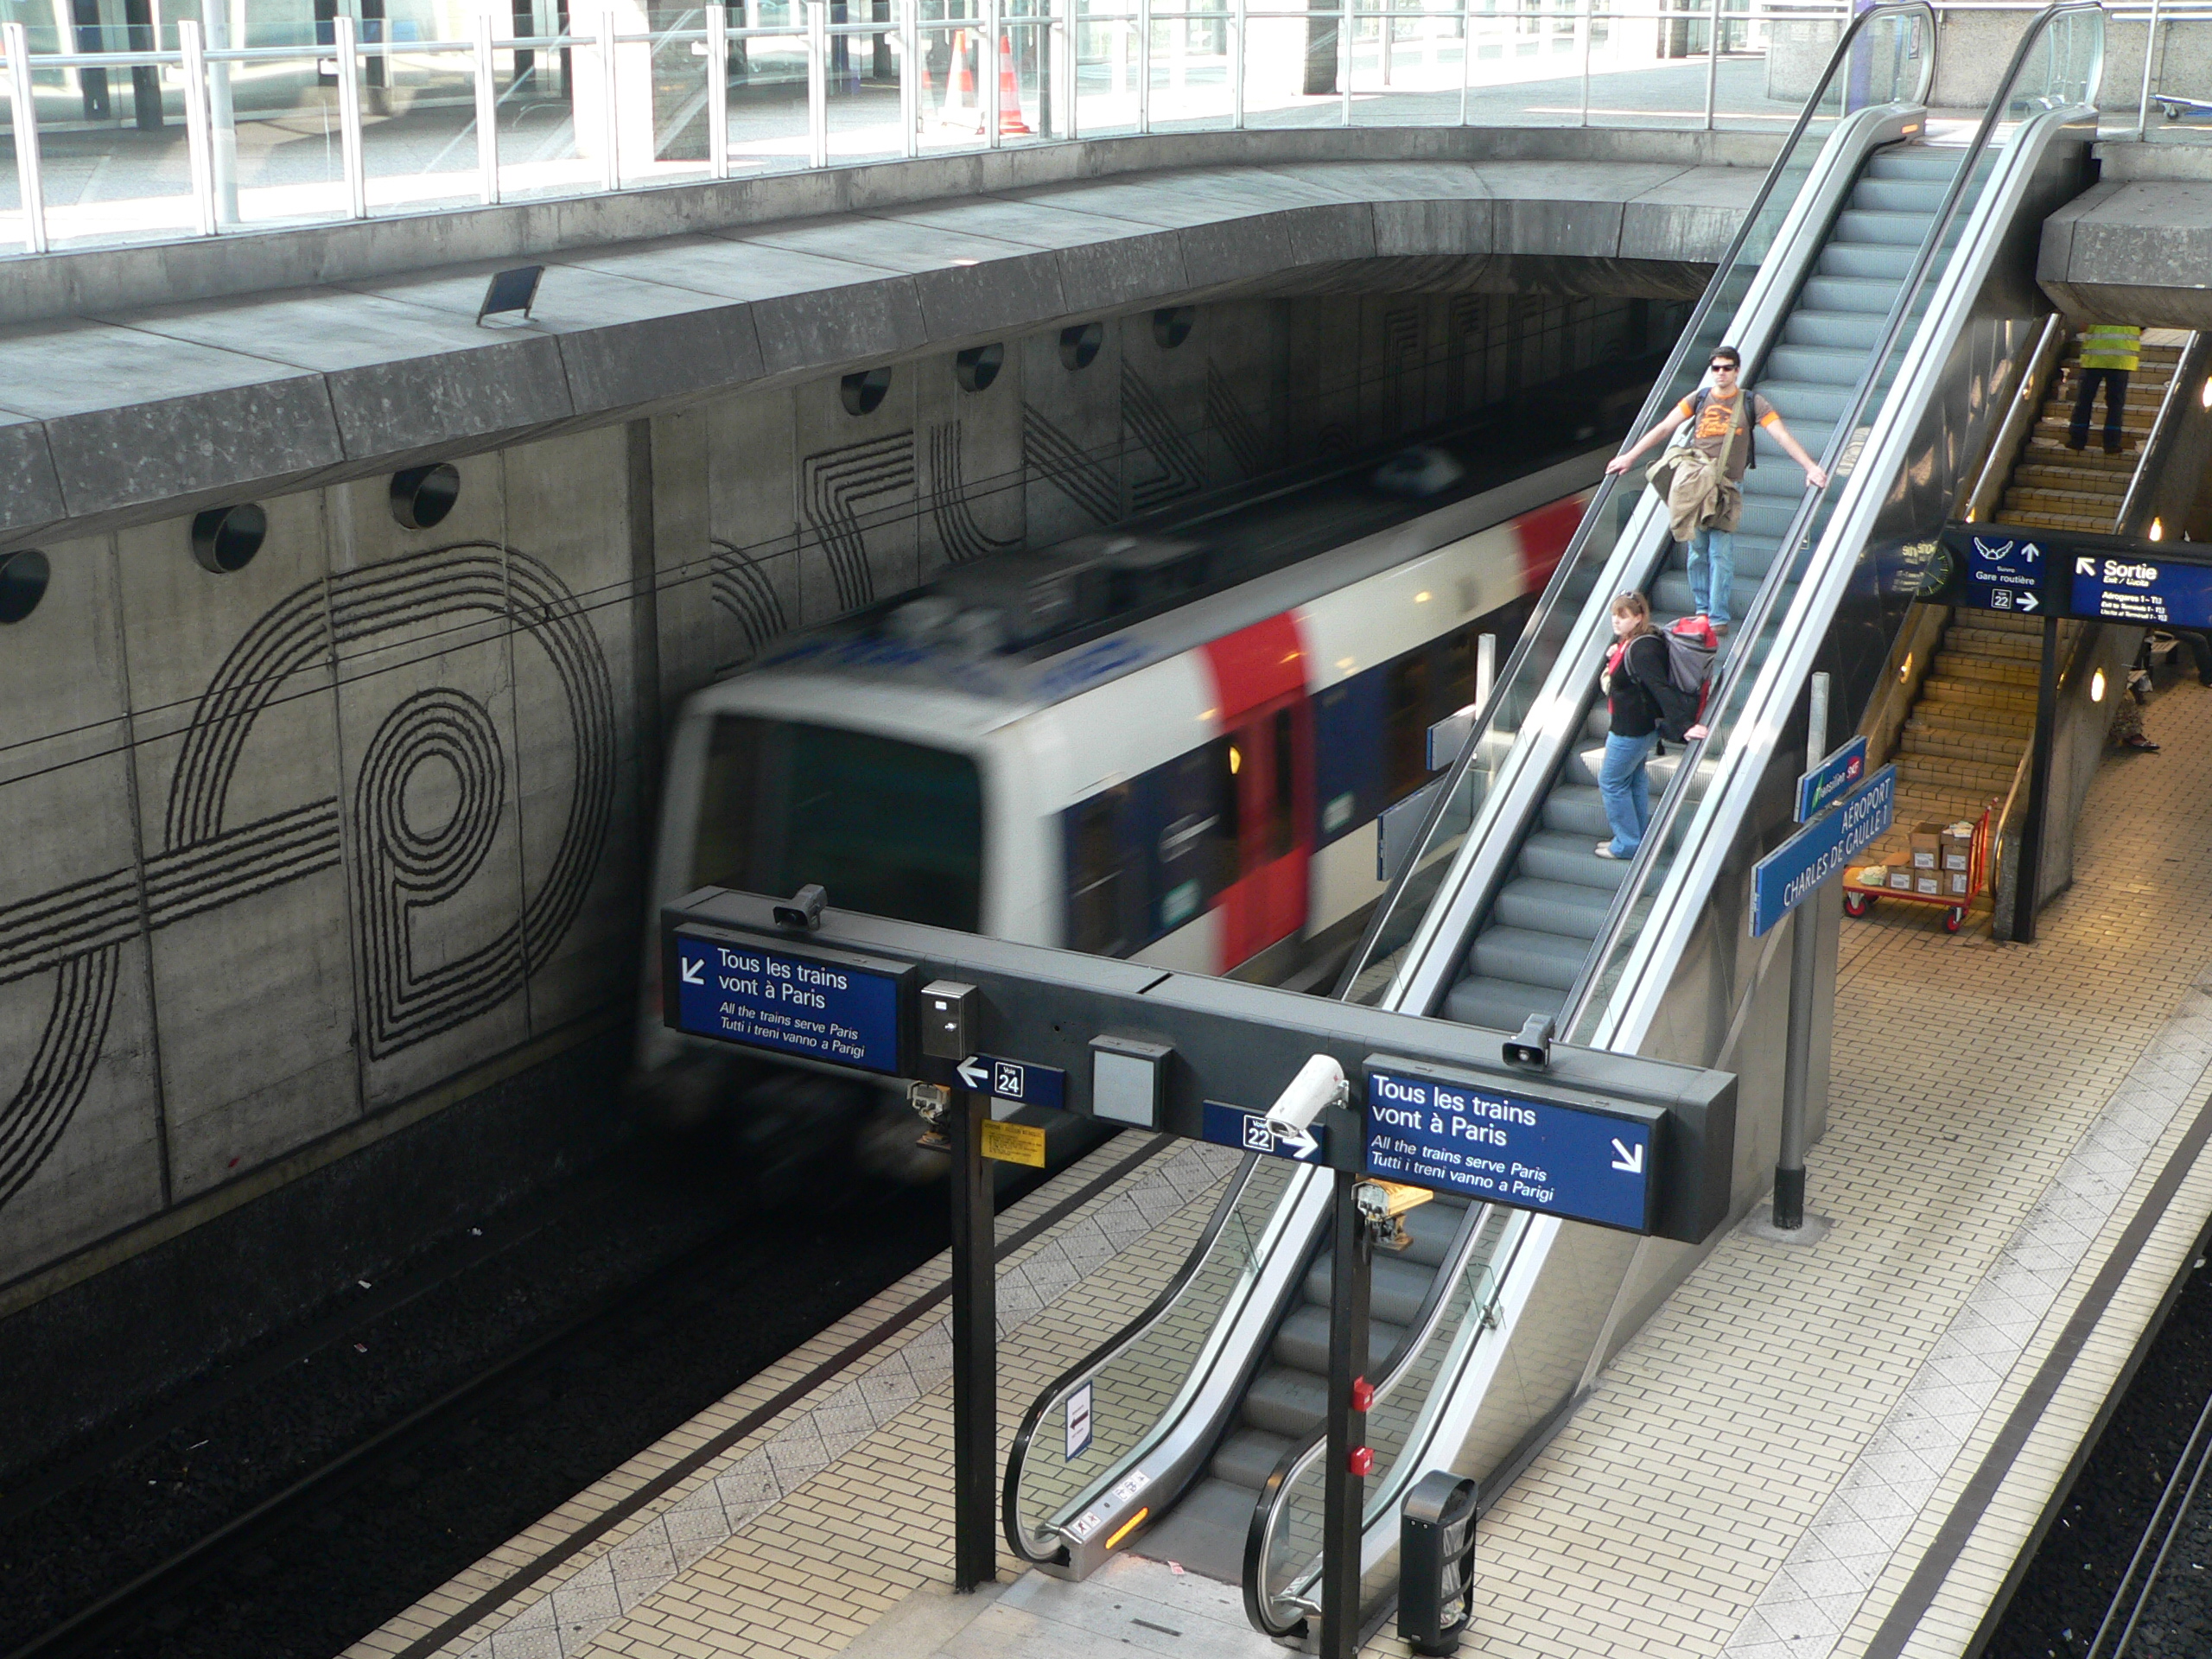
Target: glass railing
{"x":1283,"y":1553}
{"x":1141,"y":1383}
{"x":1887,"y":56}
{"x":260,"y":116}
{"x":2058,"y":63}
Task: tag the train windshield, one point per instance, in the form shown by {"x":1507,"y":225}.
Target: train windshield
{"x":890,"y":828}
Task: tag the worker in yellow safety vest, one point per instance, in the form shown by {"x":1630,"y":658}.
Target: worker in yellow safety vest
{"x":2110,"y":351}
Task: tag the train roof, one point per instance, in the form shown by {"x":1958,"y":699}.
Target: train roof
{"x":1011,"y":633}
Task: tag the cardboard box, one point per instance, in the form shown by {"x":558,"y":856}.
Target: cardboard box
{"x":1958,"y":849}
{"x":1901,"y":878}
{"x":1929,"y":882}
{"x":1957,"y":884}
{"x":1927,"y":844}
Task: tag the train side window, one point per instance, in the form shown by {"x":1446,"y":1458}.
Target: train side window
{"x":1198,"y":833}
{"x":1099,"y":878}
{"x":1406,"y":722}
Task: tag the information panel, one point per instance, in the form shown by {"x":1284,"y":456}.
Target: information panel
{"x":823,"y":1005}
{"x":1793,"y":872}
{"x":2002,"y":572}
{"x":2143,"y":590}
{"x":1428,"y":1129}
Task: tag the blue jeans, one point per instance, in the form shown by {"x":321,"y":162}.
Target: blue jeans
{"x":1626,"y":790}
{"x":1712,"y":572}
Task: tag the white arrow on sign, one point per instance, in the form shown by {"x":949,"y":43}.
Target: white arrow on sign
{"x":2085,"y":567}
{"x":690,"y":971}
{"x":973,"y":1075}
{"x":1301,"y":1142}
{"x":2027,"y":601}
{"x":1631,"y":1161}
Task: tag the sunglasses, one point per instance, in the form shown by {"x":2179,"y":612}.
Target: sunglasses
{"x":1719,"y":368}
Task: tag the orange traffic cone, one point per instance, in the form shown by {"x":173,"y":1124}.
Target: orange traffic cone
{"x":1010,"y":119}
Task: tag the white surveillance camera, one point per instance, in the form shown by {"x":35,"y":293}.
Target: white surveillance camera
{"x":1319,"y":1083}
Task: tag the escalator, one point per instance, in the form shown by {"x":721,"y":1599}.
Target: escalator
{"x":1866,"y":286}
{"x":1532,"y":940}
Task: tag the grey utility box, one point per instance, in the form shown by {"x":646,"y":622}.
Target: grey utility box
{"x":1436,"y":1562}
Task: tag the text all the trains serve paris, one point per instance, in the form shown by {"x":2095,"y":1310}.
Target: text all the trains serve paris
{"x":1506,"y":1148}
{"x":834,"y":1011}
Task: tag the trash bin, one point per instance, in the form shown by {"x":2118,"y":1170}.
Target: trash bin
{"x":1436,"y":1561}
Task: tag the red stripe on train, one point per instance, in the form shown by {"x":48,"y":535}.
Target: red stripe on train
{"x":1544,"y":535}
{"x":1256,"y":665}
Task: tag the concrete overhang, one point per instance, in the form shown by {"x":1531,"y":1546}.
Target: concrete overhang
{"x":359,"y":352}
{"x":2137,"y":246}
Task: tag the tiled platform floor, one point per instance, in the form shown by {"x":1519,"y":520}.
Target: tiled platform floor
{"x":1834,"y":1449}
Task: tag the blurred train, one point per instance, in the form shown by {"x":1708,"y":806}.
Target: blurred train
{"x":1169,"y":749}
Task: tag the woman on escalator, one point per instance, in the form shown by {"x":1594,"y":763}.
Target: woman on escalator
{"x":1636,"y":664}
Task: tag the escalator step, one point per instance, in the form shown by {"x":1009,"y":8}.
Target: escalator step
{"x":1524,"y":902}
{"x":1500,"y":1004}
{"x":1549,"y":855}
{"x":1302,"y":1340}
{"x":1575,"y":809}
{"x":1531,"y":957}
{"x":1248,"y":1456}
{"x":1206,"y":1532}
{"x":1396,"y":1292}
{"x":1286,"y":1401}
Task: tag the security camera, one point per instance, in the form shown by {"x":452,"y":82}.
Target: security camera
{"x":803,"y":912}
{"x":1534,"y":1045}
{"x":1319,"y":1083}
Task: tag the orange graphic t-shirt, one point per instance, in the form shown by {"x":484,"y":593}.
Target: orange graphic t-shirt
{"x":1716,"y":417}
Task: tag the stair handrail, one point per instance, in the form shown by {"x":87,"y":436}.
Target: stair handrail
{"x":1266,"y":1510}
{"x":1055,"y":1391}
{"x":1660,"y":399}
{"x":2164,"y":425}
{"x":2019,"y":424}
{"x":1797,"y":538}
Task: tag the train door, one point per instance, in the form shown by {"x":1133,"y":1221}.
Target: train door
{"x":1267,"y":744}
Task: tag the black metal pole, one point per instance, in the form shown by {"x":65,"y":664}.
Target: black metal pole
{"x":2029,"y":869}
{"x":975,"y":1350}
{"x":1344,"y":1493}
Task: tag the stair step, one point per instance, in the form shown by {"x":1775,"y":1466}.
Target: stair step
{"x":1969,"y":641}
{"x":1957,"y":666}
{"x":1949,"y":771}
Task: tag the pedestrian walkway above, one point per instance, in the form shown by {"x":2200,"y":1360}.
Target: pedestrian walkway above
{"x":1837,"y":1448}
{"x":344,"y":360}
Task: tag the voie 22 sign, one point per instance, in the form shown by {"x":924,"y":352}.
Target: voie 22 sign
{"x":1428,"y":1128}
{"x":831,"y":1006}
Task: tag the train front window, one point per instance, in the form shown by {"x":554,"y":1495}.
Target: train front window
{"x":890,"y":828}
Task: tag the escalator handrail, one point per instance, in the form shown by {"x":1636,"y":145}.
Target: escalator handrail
{"x":1098,"y":1358}
{"x":1839,"y":441}
{"x":1449,"y":1274}
{"x":1655,"y":402}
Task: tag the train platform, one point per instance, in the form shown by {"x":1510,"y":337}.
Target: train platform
{"x":1840,"y":1447}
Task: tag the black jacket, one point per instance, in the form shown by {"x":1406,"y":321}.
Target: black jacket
{"x":1634,"y":711}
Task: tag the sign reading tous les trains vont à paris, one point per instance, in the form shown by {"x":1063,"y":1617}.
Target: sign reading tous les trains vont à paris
{"x":1613,"y":1139}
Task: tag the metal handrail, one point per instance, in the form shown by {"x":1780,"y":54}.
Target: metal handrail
{"x":1268,"y":1510}
{"x":2160,"y":438}
{"x":1655,"y":402}
{"x":1840,"y":440}
{"x":1057,"y":1389}
{"x":2019,"y":420}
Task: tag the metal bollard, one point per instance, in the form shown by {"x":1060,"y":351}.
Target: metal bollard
{"x":1436,"y":1562}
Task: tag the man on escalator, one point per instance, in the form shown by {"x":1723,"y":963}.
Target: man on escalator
{"x":1705,"y":494}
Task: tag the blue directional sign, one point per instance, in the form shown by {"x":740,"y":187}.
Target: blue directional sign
{"x":1431,"y":1128}
{"x":1793,"y":872}
{"x":1830,"y":781}
{"x":1019,"y":1080}
{"x":823,"y":1005}
{"x":2127,"y":589}
{"x":1232,"y":1126}
{"x":2003,"y":573}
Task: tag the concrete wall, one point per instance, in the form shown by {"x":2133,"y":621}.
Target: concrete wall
{"x":293,"y":846}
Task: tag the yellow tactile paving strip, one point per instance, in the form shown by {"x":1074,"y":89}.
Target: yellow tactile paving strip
{"x":1966,"y":1076}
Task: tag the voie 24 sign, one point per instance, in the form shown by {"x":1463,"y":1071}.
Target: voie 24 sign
{"x":836,"y":1007}
{"x":1588,"y":1162}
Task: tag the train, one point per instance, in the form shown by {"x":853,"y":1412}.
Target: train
{"x":1160,"y":747}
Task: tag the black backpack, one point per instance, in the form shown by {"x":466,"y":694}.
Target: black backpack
{"x":1678,"y":701}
